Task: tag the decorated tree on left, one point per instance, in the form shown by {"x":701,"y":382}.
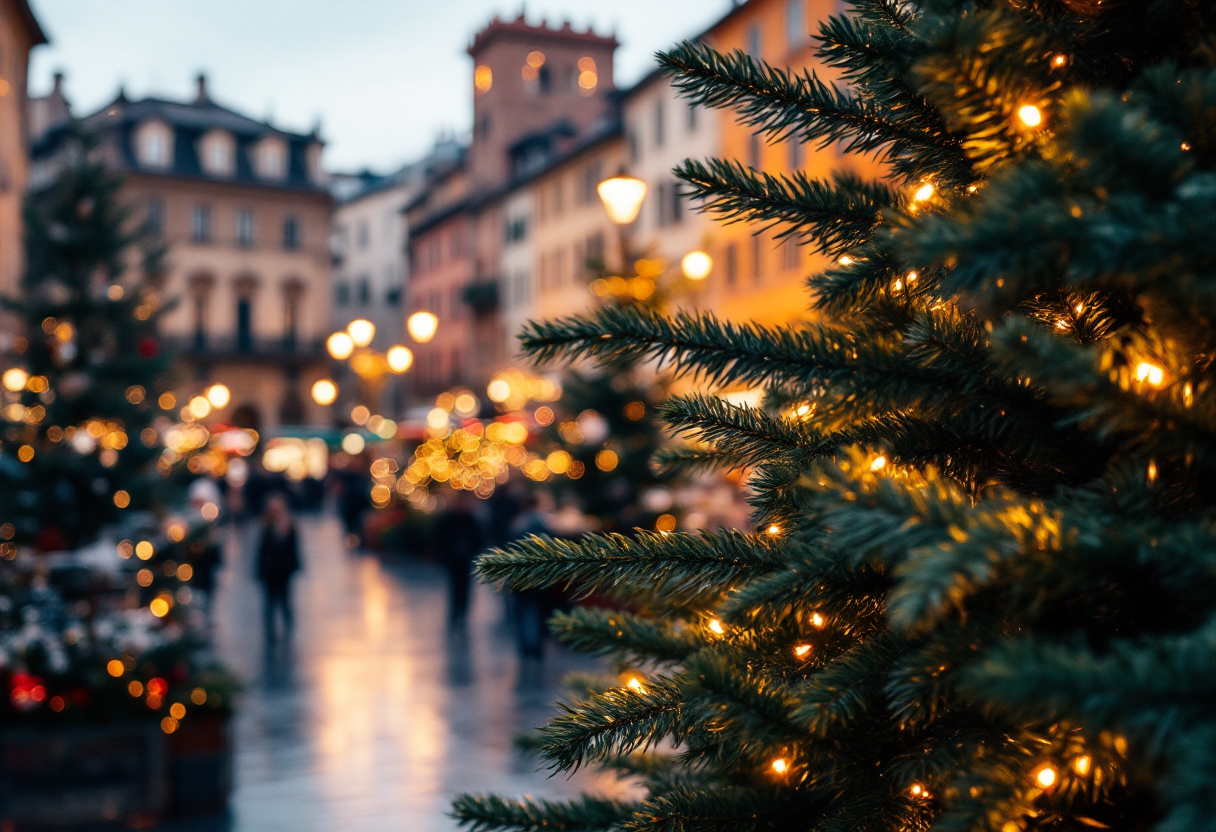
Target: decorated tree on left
{"x":84,"y":363}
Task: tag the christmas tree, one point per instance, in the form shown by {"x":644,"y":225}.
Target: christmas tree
{"x":981,"y":593}
{"x":85,"y":368}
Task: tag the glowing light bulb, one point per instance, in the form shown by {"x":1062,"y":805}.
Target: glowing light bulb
{"x":635,"y":684}
{"x":924,"y":192}
{"x":917,"y":790}
{"x":1147,"y":371}
{"x":1059,"y":60}
{"x":845,"y":260}
{"x":1081,"y":765}
{"x":696,"y":265}
{"x":324,"y":392}
{"x":774,"y":530}
{"x":898,"y":285}
{"x":399,"y":358}
{"x":801,"y":650}
{"x":219,"y":395}
{"x":1188,"y":395}
{"x":422,"y":326}
{"x":1061,"y":324}
{"x":912,"y":276}
{"x":818,"y":620}
{"x":340,"y":345}
{"x":115,"y":667}
{"x":1045,"y":777}
{"x":1030,"y":115}
{"x":1152,"y":471}
{"x":879,"y":463}
{"x":780,"y":766}
{"x":716,"y":626}
{"x":14,"y":379}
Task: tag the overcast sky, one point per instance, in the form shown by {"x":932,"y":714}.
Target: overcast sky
{"x":383,"y":76}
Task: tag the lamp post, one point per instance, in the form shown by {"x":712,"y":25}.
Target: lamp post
{"x":622,"y":196}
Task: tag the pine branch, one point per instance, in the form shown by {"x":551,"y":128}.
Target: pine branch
{"x":494,"y":814}
{"x":780,"y":103}
{"x":623,"y":634}
{"x":836,"y":216}
{"x":666,"y":565}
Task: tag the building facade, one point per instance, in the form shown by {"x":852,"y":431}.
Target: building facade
{"x":245,"y":213}
{"x":19,"y":33}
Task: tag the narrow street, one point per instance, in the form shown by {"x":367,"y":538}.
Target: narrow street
{"x":372,"y":718}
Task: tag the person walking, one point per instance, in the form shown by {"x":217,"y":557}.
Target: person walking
{"x":530,"y":604}
{"x":278,"y":560}
{"x":458,"y":539}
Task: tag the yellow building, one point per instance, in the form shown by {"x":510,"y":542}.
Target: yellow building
{"x":19,"y":33}
{"x":245,"y":213}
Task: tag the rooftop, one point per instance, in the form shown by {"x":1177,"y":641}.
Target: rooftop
{"x":521,"y":28}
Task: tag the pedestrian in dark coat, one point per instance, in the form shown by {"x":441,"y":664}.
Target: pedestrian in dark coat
{"x":458,"y":539}
{"x":278,"y":560}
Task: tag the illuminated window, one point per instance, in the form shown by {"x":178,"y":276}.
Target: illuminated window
{"x":154,"y":145}
{"x":483,"y":78}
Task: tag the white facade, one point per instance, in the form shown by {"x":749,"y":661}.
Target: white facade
{"x":370,"y":266}
{"x":517,"y":301}
{"x":661,"y":131}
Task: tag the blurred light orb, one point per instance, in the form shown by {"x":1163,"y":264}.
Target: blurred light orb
{"x":422,"y":326}
{"x":924,"y":192}
{"x":622,"y":197}
{"x":199,"y":407}
{"x":15,"y":379}
{"x":219,"y":395}
{"x":499,"y":390}
{"x":696,"y":265}
{"x":399,"y":358}
{"x":340,"y":345}
{"x":353,"y":443}
{"x":483,"y":78}
{"x":324,"y":392}
{"x":361,"y":331}
{"x":437,"y":419}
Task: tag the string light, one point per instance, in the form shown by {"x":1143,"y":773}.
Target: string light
{"x":774,"y":530}
{"x":818,"y":620}
{"x":1186,"y":146}
{"x":924,"y":192}
{"x":1030,"y":115}
{"x":1045,"y":777}
{"x":1059,"y":60}
{"x":716,"y":626}
{"x":879,"y":463}
{"x":917,"y":790}
{"x":1147,"y":371}
{"x":845,"y":260}
{"x":1188,"y":395}
{"x":1081,"y":765}
{"x":635,"y":684}
{"x":780,"y":766}
{"x":1152,"y":471}
{"x":801,"y":650}
{"x":912,"y":276}
{"x":898,"y":285}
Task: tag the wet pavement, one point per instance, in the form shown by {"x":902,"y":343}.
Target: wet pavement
{"x":372,"y":717}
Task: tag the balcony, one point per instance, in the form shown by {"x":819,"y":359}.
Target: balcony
{"x":481,"y":297}
{"x":282,"y":350}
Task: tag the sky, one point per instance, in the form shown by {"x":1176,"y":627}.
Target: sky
{"x":383,"y":77}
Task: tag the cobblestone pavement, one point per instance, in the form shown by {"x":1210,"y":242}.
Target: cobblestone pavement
{"x":371,"y":718}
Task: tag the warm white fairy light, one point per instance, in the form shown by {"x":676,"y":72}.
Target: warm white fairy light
{"x":774,"y":530}
{"x":635,"y":684}
{"x":1152,"y":471}
{"x":924,"y":192}
{"x":1030,"y":115}
{"x":780,"y":765}
{"x":845,"y":260}
{"x":818,"y":620}
{"x":1045,"y":777}
{"x":1081,"y":765}
{"x":879,"y":463}
{"x":716,"y":626}
{"x":800,"y":650}
{"x":1146,"y":371}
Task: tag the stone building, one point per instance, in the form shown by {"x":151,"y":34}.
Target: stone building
{"x":244,"y":210}
{"x":19,"y":33}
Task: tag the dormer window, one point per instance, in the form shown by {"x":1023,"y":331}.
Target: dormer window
{"x":272,"y":159}
{"x":218,"y":153}
{"x":316,"y":174}
{"x":153,"y":144}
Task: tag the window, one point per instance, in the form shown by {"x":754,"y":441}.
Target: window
{"x":732,"y":265}
{"x":392,"y":297}
{"x":291,"y":232}
{"x":342,"y":293}
{"x":218,"y":156}
{"x":757,"y":258}
{"x":670,"y":203}
{"x":754,"y":155}
{"x":797,"y":153}
{"x":155,"y":217}
{"x":796,"y":30}
{"x":589,"y":180}
{"x":658,"y":123}
{"x":790,"y":253}
{"x":244,"y":228}
{"x":272,"y":160}
{"x":154,"y":145}
{"x":244,"y":324}
{"x":200,"y":223}
{"x":753,"y":41}
{"x":365,"y":291}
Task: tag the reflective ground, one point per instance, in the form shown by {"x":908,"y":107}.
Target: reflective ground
{"x":371,"y":718}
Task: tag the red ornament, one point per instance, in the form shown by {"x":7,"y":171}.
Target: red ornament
{"x":148,"y":347}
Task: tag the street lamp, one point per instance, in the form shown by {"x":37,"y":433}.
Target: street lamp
{"x":622,"y":197}
{"x":324,"y":392}
{"x":696,"y":265}
{"x":399,"y":358}
{"x":422,"y":326}
{"x":340,"y":346}
{"x":361,"y":331}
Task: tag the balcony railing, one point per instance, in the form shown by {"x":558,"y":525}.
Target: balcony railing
{"x":283,"y":349}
